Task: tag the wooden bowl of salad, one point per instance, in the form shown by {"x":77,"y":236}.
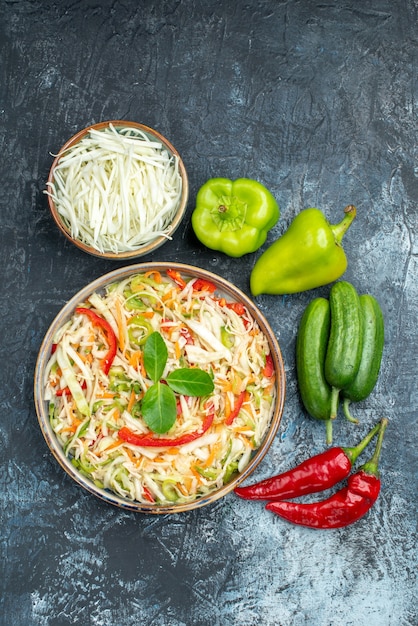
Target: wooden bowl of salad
{"x":117,"y":190}
{"x":159,"y":387}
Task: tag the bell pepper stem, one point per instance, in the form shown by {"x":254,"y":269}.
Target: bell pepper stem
{"x":328,"y":431}
{"x":348,"y":415}
{"x":335,"y":394}
{"x":340,"y":229}
{"x":354,"y":452}
{"x":372,"y":466}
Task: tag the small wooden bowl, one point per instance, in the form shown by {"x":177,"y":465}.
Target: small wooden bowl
{"x":159,"y":240}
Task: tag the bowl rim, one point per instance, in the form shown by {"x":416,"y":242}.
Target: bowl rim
{"x":67,"y":310}
{"x":155,"y":243}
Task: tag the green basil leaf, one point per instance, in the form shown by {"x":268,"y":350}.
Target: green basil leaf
{"x":155,"y":356}
{"x":159,"y":408}
{"x":190,"y":382}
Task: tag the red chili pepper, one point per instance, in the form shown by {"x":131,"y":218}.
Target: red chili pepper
{"x":269,"y":366}
{"x":147,"y":494}
{"x":238,"y":307}
{"x":177,"y":278}
{"x":318,"y":473}
{"x":345,"y":506}
{"x":107,"y":330}
{"x":201,"y":284}
{"x":159,"y":442}
{"x":236,"y":409}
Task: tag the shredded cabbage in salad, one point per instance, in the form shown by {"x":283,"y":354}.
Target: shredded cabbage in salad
{"x":116,"y":190}
{"x":201,"y":330}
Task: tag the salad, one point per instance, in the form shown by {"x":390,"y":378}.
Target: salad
{"x":159,"y":390}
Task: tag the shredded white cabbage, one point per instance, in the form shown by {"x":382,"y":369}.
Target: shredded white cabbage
{"x":116,"y":190}
{"x":88,"y":416}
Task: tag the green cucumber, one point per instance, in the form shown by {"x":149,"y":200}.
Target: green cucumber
{"x":311,"y":347}
{"x":344,"y":350}
{"x":371,"y":356}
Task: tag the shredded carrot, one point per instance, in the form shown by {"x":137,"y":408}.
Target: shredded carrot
{"x":196,"y":474}
{"x":177,"y":350}
{"x":117,"y":443}
{"x":132,"y":457}
{"x":71,"y":429}
{"x":75,"y":421}
{"x":116,"y":413}
{"x":86,"y":358}
{"x":131,"y":402}
{"x":213,"y":454}
{"x":241,"y":429}
{"x":156,"y":274}
{"x":92,"y":338}
{"x":226,"y":385}
{"x":248,"y":442}
{"x":169,"y":298}
{"x":183,"y":490}
{"x":105,"y":395}
{"x":136,"y":360}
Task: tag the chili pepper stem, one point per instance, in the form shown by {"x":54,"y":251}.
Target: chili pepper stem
{"x":340,"y":229}
{"x":371,"y":467}
{"x":355,"y":451}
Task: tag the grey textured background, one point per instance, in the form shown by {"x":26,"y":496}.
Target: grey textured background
{"x":317,"y":100}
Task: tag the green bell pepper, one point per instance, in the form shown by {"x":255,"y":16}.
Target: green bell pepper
{"x":308,"y":255}
{"x":139,"y":329}
{"x":234,"y":216}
